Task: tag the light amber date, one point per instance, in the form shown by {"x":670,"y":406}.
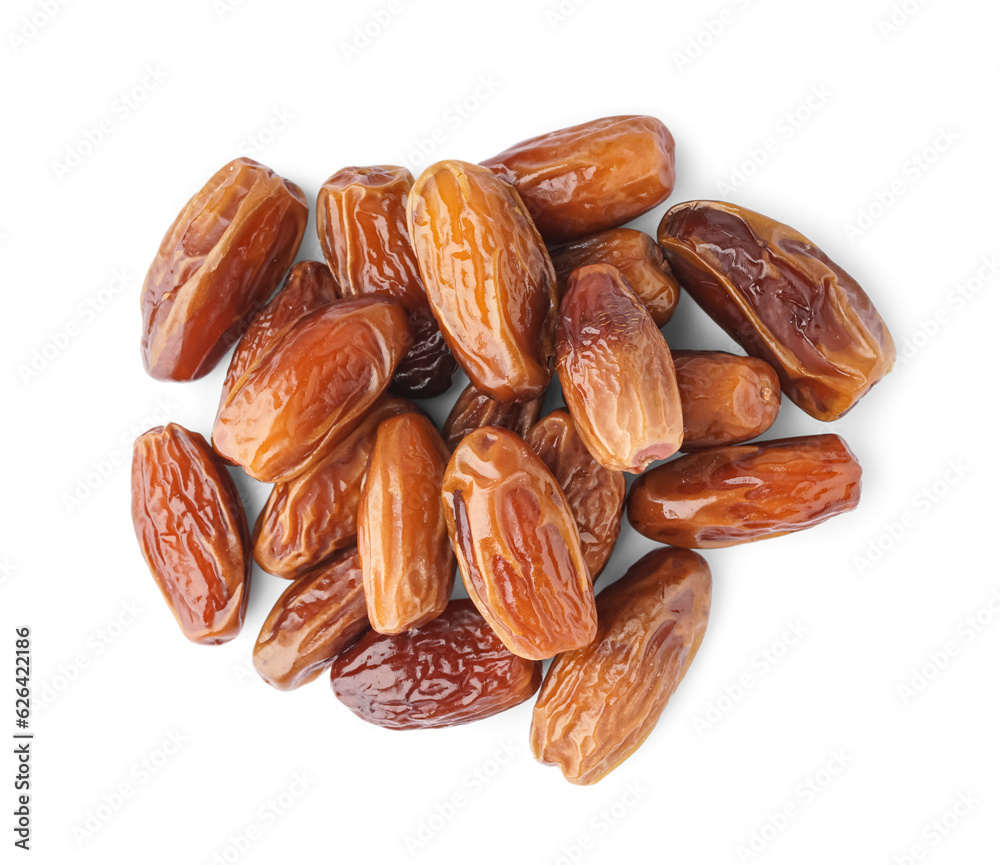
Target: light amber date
{"x":783,"y":300}
{"x":406,"y":558}
{"x":361,"y":223}
{"x":599,"y":703}
{"x":299,"y":400}
{"x":216,"y":266}
{"x":474,"y":409}
{"x":314,"y":619}
{"x":451,"y":671}
{"x":616,"y":372}
{"x":725,"y":399}
{"x":731,"y":495}
{"x":635,"y":256}
{"x":309,"y":518}
{"x":595,"y":495}
{"x":517,"y":545}
{"x":488,"y":276}
{"x":591,"y":177}
{"x":192,"y":531}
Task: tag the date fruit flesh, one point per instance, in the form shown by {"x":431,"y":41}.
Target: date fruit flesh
{"x":731,"y":495}
{"x":474,"y":409}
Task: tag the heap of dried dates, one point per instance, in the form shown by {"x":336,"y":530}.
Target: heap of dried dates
{"x":510,"y":269}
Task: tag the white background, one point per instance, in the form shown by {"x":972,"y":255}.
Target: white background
{"x":823,"y":633}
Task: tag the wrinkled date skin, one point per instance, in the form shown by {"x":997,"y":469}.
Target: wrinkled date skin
{"x":635,"y":256}
{"x":616,"y":372}
{"x":451,"y":671}
{"x":303,"y":397}
{"x":731,"y":495}
{"x":726,"y":399}
{"x":489,"y":278}
{"x":474,"y":409}
{"x":308,"y":286}
{"x":406,"y":558}
{"x":307,"y":519}
{"x":314,"y":619}
{"x":596,"y":495}
{"x":591,"y":177}
{"x":216,"y":266}
{"x":517,"y":545}
{"x":782,"y":300}
{"x":192,"y":531}
{"x":599,"y":703}
{"x":361,"y":223}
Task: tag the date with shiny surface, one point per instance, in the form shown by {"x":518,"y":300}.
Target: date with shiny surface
{"x":307,"y":519}
{"x":595,"y":495}
{"x":474,"y":409}
{"x":590,"y":177}
{"x":192,"y":531}
{"x":518,"y":546}
{"x":783,"y":300}
{"x":406,"y":558}
{"x":361,"y":223}
{"x":599,"y":703}
{"x":725,"y":398}
{"x":616,"y":372}
{"x":731,"y":495}
{"x":218,"y":263}
{"x":299,"y":400}
{"x":451,"y":671}
{"x":635,"y":255}
{"x":314,"y":619}
{"x":488,"y":277}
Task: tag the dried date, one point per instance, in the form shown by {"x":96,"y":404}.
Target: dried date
{"x":474,"y":409}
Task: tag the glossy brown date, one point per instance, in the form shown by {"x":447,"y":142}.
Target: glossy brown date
{"x":474,"y":409}
{"x":299,"y":400}
{"x":517,"y":545}
{"x":406,"y":558}
{"x":192,"y":531}
{"x":488,"y":276}
{"x":314,"y":619}
{"x":616,"y":372}
{"x":361,"y":223}
{"x":591,"y":177}
{"x":451,"y":671}
{"x":731,"y":495}
{"x":309,"y":518}
{"x":216,"y":266}
{"x":635,"y":256}
{"x":599,"y":703}
{"x":595,"y":495}
{"x":783,"y":300}
{"x":725,"y":399}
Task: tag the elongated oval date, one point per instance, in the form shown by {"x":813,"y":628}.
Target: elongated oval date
{"x":451,"y":671}
{"x":591,"y":177}
{"x":474,"y":409}
{"x":314,"y":619}
{"x":488,"y":276}
{"x":192,"y":531}
{"x":616,"y":372}
{"x":635,"y":255}
{"x":731,"y":495}
{"x":216,"y":266}
{"x":783,"y":300}
{"x":517,"y":545}
{"x":406,"y":558}
{"x":599,"y":703}
{"x":308,"y":286}
{"x":595,"y":495}
{"x":725,"y":399}
{"x":308,"y":519}
{"x":303,"y":397}
{"x":361,"y":223}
